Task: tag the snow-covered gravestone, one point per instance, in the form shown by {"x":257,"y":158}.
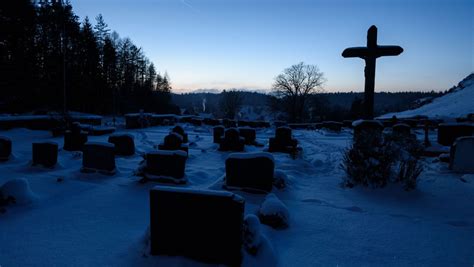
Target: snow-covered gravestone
{"x":173,"y":141}
{"x":250,"y":171}
{"x":232,"y":141}
{"x":218,"y":134}
{"x":449,"y":132}
{"x":166,"y":166}
{"x":248,"y":134}
{"x":367,"y":130}
{"x":124,"y":144}
{"x":283,"y":141}
{"x":203,"y":225}
{"x":179,"y":130}
{"x":45,"y":154}
{"x":98,"y":157}
{"x":462,"y":155}
{"x":5,"y":148}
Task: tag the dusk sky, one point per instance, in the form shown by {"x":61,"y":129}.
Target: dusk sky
{"x":245,"y":44}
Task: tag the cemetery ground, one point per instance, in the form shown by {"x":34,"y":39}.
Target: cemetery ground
{"x":91,"y":219}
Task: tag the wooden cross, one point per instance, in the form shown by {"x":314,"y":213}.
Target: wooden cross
{"x":370,"y":54}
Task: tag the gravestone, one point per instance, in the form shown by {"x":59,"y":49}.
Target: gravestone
{"x":218,"y":134}
{"x":137,"y":120}
{"x":124,"y":144}
{"x":5,"y":148}
{"x":332,"y":125}
{"x":462,"y":155}
{"x":250,"y":171}
{"x":232,"y":141}
{"x":211,"y":122}
{"x":347,"y":123}
{"x":179,"y":130}
{"x":279,"y":124}
{"x":166,"y":166}
{"x":173,"y":141}
{"x":45,"y":154}
{"x":249,"y":135}
{"x":370,"y":54}
{"x":196,"y":121}
{"x":75,"y":138}
{"x":203,"y":225}
{"x":449,"y":132}
{"x":283,"y":141}
{"x":367,"y":130}
{"x":401,"y":129}
{"x":98,"y":157}
{"x":101,"y":130}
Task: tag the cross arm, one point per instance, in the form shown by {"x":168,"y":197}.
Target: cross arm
{"x":355,"y":52}
{"x":388,"y":50}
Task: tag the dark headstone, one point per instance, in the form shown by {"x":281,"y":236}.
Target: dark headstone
{"x":301,"y":126}
{"x":196,"y":121}
{"x":249,"y":135}
{"x":45,"y":154}
{"x":98,"y":157}
{"x":401,"y":129}
{"x":137,"y":120}
{"x":5,"y":148}
{"x":461,"y":155}
{"x":367,"y":129}
{"x":449,"y":132}
{"x":203,"y":225}
{"x":173,"y":141}
{"x":333,"y":126}
{"x":278,"y":124}
{"x":347,"y":123}
{"x":179,"y":130}
{"x":218,"y":134}
{"x":164,"y":164}
{"x":124,"y":144}
{"x":283,"y":141}
{"x":232,"y":141}
{"x":250,"y":171}
{"x":74,"y":140}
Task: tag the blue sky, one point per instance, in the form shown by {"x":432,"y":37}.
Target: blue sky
{"x":245,"y":44}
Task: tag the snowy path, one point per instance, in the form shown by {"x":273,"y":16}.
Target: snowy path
{"x":95,"y":220}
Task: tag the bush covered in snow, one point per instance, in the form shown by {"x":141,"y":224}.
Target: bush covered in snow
{"x":377,"y":160}
{"x":274,"y":213}
{"x":252,"y":234}
{"x":16,"y":191}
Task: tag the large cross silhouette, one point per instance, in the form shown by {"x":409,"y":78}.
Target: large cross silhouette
{"x":370,"y":54}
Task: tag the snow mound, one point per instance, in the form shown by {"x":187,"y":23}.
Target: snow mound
{"x":274,"y":213}
{"x":259,"y":250}
{"x":455,"y":104}
{"x":19,"y":190}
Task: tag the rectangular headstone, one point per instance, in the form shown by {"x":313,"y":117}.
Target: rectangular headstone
{"x":45,"y":154}
{"x":250,"y":171}
{"x":5,"y":148}
{"x":124,"y":144}
{"x":98,"y":157}
{"x":449,"y":132}
{"x":203,"y":225}
{"x":462,"y":155}
{"x":166,"y":163}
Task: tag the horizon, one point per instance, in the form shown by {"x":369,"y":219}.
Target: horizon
{"x":239,"y":44}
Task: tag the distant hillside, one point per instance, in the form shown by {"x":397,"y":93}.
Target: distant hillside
{"x":458,"y":102}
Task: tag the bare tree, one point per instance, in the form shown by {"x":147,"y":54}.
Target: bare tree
{"x":294,"y":86}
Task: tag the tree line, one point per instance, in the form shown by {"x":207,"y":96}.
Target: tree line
{"x":51,"y":61}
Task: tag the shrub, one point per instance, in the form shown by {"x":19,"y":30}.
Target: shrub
{"x":376,"y":160}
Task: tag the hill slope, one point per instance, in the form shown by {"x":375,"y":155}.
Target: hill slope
{"x":457,"y":103}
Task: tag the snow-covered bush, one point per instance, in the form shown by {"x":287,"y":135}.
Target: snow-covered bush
{"x":274,"y":213}
{"x":252,"y":234}
{"x":377,"y":160}
{"x":16,"y":191}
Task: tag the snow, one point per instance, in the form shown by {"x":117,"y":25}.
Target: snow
{"x":273,"y":209}
{"x":94,"y":220}
{"x":19,"y":190}
{"x":455,"y":104}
